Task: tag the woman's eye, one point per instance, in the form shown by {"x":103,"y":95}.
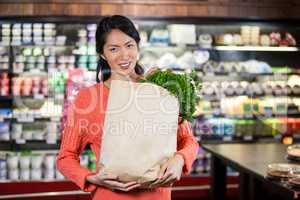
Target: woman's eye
{"x":113,"y":49}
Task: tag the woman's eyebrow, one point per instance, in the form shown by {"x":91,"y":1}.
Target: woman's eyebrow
{"x":113,"y":45}
{"x":128,"y":42}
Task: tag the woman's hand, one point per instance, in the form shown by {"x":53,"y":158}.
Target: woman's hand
{"x":151,"y":71}
{"x":111,"y":182}
{"x":180,"y":120}
{"x":170,"y":172}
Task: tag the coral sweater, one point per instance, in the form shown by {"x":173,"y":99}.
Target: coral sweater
{"x":84,"y":126}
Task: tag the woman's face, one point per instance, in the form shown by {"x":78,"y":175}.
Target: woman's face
{"x":120,"y":51}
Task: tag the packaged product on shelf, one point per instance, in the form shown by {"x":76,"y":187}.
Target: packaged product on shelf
{"x":237,"y":40}
{"x":296,"y":89}
{"x":159,"y":37}
{"x":35,"y":174}
{"x":58,"y":175}
{"x":186,"y":61}
{"x":205,"y":40}
{"x":201,"y":57}
{"x":202,"y":127}
{"x":13,"y":174}
{"x":49,"y":174}
{"x":84,"y":160}
{"x":228,"y":39}
{"x":24,"y":174}
{"x":4,"y":131}
{"x":255,"y":32}
{"x":275,"y":38}
{"x":182,"y":33}
{"x":4,"y":84}
{"x":246,"y":34}
{"x":265,"y":40}
{"x":12,"y":161}
{"x":36,"y":161}
{"x":49,"y":162}
{"x":3,"y":169}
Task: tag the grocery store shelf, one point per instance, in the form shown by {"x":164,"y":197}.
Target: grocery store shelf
{"x":34,"y":145}
{"x":255,"y":48}
{"x":32,"y":73}
{"x":4,"y":98}
{"x":5,"y":145}
{"x":250,"y":116}
{"x":43,"y":45}
{"x":6,"y":71}
{"x":43,"y":195}
{"x":39,"y":96}
{"x":38,"y":146}
{"x":171,"y":47}
{"x":29,"y":119}
{"x":214,"y":97}
{"x":243,"y":75}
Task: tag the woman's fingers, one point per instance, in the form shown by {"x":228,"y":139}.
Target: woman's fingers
{"x":119,"y":185}
{"x":163,"y":170}
{"x":130,"y":187}
{"x":151,"y":70}
{"x":109,"y":177}
{"x":170,"y":178}
{"x":161,"y":174}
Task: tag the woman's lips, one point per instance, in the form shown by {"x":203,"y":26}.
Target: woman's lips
{"x":125,"y":66}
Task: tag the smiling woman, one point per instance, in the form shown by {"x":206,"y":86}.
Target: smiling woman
{"x":117,"y":43}
{"x":120,"y":52}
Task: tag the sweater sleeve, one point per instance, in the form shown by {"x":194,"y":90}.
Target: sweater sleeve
{"x":74,"y":140}
{"x":187,"y":146}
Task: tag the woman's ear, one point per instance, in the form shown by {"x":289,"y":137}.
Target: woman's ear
{"x":102,"y":56}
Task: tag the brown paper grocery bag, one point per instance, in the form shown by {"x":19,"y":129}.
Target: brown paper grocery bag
{"x":140,"y":131}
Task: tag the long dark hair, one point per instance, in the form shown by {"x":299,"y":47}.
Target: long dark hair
{"x":105,"y":26}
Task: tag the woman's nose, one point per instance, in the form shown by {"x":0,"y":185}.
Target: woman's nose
{"x":124,"y":54}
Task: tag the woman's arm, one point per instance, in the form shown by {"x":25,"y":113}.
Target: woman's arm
{"x":187,"y":146}
{"x":73,"y":143}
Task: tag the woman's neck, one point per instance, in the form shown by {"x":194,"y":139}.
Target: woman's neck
{"x":118,"y":77}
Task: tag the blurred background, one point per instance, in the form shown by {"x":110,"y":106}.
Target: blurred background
{"x":245,"y":52}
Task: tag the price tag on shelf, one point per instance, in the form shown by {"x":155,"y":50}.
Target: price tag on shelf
{"x":227,"y":138}
{"x":20,"y":141}
{"x":55,"y":119}
{"x":39,"y":96}
{"x":248,"y":137}
{"x":35,"y":71}
{"x":25,"y":119}
{"x":248,"y":116}
{"x":51,"y":141}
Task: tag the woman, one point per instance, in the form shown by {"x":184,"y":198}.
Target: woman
{"x":117,"y":43}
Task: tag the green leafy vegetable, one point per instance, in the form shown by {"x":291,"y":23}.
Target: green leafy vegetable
{"x":182,"y":86}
